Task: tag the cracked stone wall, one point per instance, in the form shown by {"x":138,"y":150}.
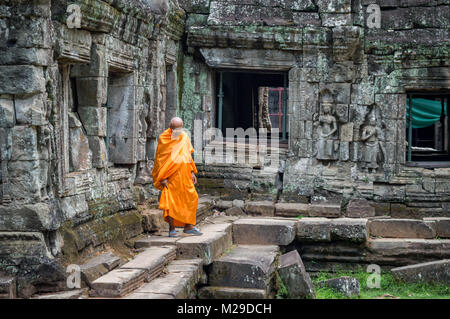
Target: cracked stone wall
{"x":347,"y":86}
{"x":80,"y":112}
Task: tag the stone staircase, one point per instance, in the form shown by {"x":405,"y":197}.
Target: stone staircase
{"x":238,"y":256}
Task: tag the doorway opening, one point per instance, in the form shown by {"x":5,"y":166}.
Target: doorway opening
{"x":249,"y":98}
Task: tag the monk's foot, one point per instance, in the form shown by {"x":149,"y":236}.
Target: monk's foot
{"x":193,"y":231}
{"x":173,"y":233}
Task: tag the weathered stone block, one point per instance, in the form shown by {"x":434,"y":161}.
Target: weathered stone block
{"x":442,"y":226}
{"x":401,"y":228}
{"x":24,"y":144}
{"x":152,"y":261}
{"x":172,"y":285}
{"x":208,"y":246}
{"x":409,"y":250}
{"x":291,"y":209}
{"x":24,"y":79}
{"x":334,"y":6}
{"x":92,"y":91}
{"x":234,"y":211}
{"x":250,"y":266}
{"x":263,"y":231}
{"x":33,"y":217}
{"x":348,"y":286}
{"x":80,"y":155}
{"x":263,"y":208}
{"x":7,"y":112}
{"x":118,"y":282}
{"x":99,"y":152}
{"x":31,"y":110}
{"x":75,"y":208}
{"x":437,"y":272}
{"x":153,"y":221}
{"x":359,"y":208}
{"x":336,"y":19}
{"x":325,"y":210}
{"x":94,"y":120}
{"x":294,"y":276}
{"x":326,"y":230}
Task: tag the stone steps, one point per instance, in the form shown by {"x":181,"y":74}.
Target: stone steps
{"x":216,"y":239}
{"x":248,"y":267}
{"x":178,"y":282}
{"x":143,"y":268}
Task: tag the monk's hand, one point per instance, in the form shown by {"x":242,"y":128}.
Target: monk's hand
{"x":164,"y":182}
{"x":194,"y":178}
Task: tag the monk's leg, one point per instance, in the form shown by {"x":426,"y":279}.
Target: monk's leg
{"x":188,"y":227}
{"x":171,"y":226}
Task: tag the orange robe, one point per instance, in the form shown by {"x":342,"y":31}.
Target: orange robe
{"x":174,"y":161}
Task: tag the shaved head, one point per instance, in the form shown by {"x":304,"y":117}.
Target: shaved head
{"x":175,"y":123}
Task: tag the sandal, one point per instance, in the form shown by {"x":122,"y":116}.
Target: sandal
{"x":173,"y":233}
{"x":194,"y":231}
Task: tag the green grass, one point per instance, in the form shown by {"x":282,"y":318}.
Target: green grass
{"x":282,"y":290}
{"x":389,"y":288}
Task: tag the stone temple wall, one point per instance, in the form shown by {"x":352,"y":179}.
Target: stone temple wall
{"x":346,"y":81}
{"x":81,"y":107}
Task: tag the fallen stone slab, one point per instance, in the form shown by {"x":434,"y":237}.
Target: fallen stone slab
{"x":152,"y":261}
{"x":245,"y":266}
{"x":208,"y":246}
{"x":347,"y":286}
{"x":401,"y":228}
{"x":294,"y":276}
{"x":8,"y":288}
{"x":261,"y":231}
{"x":431,"y":272}
{"x":359,"y":208}
{"x":98,"y":266}
{"x":71,"y":294}
{"x":291,"y":209}
{"x":231,"y":293}
{"x":155,"y":241}
{"x":118,"y":282}
{"x":261,"y":208}
{"x":327,"y":230}
{"x":442,"y":226}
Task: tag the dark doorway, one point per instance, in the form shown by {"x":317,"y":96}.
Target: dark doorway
{"x":239,"y":94}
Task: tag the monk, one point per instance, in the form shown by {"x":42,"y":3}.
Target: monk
{"x":174,"y":174}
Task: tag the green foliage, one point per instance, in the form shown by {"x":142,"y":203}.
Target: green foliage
{"x":389,"y":287}
{"x":282,"y":290}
